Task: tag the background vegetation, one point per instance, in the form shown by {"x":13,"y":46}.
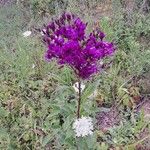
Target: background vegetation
{"x":37,"y":100}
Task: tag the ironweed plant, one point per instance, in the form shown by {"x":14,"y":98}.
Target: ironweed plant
{"x":38,"y":100}
{"x":68,"y":43}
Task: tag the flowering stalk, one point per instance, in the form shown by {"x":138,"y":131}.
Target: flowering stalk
{"x":79,"y":100}
{"x":67,"y":41}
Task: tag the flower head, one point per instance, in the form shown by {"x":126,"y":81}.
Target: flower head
{"x":67,"y":41}
{"x":83,"y":126}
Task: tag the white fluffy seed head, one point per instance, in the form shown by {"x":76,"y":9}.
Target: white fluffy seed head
{"x":27,"y":33}
{"x":83,"y":126}
{"x":33,"y":66}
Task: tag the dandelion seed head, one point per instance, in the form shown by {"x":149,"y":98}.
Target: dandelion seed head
{"x":26,"y":33}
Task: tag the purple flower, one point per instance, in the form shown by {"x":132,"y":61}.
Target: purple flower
{"x":51,"y":26}
{"x":68,"y":16}
{"x":101,"y":35}
{"x":69,"y":50}
{"x":59,"y":40}
{"x":66,"y":41}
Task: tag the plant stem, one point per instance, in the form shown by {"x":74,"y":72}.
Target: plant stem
{"x":79,"y":100}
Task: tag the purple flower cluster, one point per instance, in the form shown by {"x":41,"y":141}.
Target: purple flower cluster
{"x":67,"y":42}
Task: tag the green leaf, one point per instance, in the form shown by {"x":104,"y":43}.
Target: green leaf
{"x":3,"y":113}
{"x":67,"y":123}
{"x":47,"y":139}
{"x":91,"y":87}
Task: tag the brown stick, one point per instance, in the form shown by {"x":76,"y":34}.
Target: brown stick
{"x":79,"y":100}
